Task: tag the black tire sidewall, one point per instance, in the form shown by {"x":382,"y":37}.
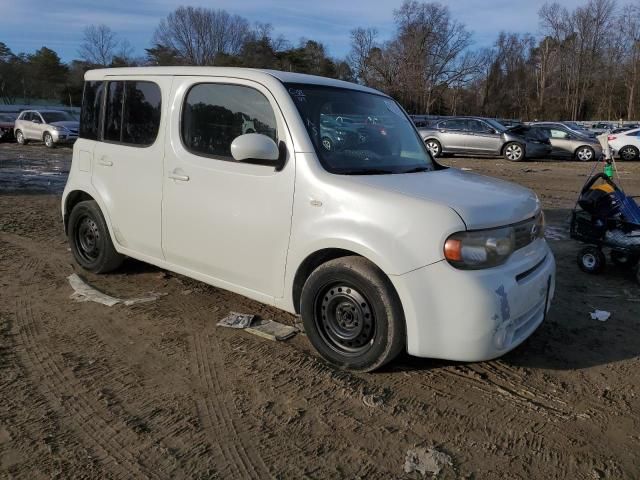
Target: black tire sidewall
{"x":108,"y":259}
{"x":383,"y":301}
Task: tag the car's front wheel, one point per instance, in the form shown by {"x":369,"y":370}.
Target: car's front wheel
{"x":514,"y":152}
{"x":434,"y":147}
{"x":89,"y":239}
{"x":48,"y":140}
{"x":352,"y":314}
{"x":20,"y":138}
{"x":585,"y":154}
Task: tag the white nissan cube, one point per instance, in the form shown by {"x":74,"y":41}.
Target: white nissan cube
{"x":313,"y":195}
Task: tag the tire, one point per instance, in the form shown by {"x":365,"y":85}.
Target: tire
{"x":585,"y":154}
{"x":48,"y":140}
{"x":629,"y":153}
{"x":352,"y":314}
{"x":623,"y":260}
{"x":327,"y":144}
{"x":20,"y":138}
{"x":434,"y":147}
{"x":90,"y":240}
{"x":513,"y":151}
{"x":591,"y":260}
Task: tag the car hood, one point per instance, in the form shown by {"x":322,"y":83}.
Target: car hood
{"x":70,"y":124}
{"x":481,"y":202}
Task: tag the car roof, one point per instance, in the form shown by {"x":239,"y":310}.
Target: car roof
{"x":44,"y":110}
{"x":259,"y":75}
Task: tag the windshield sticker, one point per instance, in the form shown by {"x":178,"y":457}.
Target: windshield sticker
{"x":298,"y":94}
{"x":393,"y":107}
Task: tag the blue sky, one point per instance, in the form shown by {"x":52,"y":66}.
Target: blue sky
{"x":58,"y":24}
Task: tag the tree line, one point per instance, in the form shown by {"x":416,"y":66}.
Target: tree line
{"x":583,"y":64}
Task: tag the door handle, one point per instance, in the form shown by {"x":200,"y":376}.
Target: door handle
{"x":177,"y":175}
{"x":105,"y":161}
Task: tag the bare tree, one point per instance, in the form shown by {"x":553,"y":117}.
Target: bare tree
{"x":630,"y":21}
{"x":199,"y":34}
{"x":99,"y":44}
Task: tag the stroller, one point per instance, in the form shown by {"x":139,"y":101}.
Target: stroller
{"x":604,"y":217}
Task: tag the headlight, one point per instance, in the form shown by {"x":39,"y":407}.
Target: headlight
{"x":57,"y":129}
{"x":476,"y":249}
{"x":480,"y":249}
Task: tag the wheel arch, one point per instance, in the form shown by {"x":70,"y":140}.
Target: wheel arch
{"x":71,"y":200}
{"x":317,"y":258}
{"x":506,"y":144}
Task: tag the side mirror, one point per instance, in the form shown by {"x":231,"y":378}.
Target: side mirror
{"x":254,"y":146}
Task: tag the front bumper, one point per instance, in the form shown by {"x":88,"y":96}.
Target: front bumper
{"x":476,"y":315}
{"x":63,"y":136}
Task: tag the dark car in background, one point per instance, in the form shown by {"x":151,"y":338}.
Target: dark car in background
{"x":342,"y":132}
{"x":567,"y":143}
{"x":7,"y":121}
{"x":481,"y":136}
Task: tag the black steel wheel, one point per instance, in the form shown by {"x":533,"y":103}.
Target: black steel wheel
{"x":591,"y":260}
{"x":352,"y":314}
{"x":344,"y":318}
{"x":89,"y":239}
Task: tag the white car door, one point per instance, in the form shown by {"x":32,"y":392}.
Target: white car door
{"x":229,"y":221}
{"x":128,"y":162}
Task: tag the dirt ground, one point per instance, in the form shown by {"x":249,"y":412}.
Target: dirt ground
{"x":156,"y":390}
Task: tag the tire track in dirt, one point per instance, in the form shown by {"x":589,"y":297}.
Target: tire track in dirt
{"x":112,"y":445}
{"x":118,"y":446}
{"x":234,"y":446}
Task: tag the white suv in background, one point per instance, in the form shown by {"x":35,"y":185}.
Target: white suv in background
{"x":49,"y":126}
{"x":626,"y":145}
{"x":221,"y":174}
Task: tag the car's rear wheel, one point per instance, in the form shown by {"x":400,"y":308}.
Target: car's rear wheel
{"x":20,"y":138}
{"x":352,"y":314}
{"x":48,"y":140}
{"x":89,"y":239}
{"x":585,"y":154}
{"x":514,"y":152}
{"x":434,"y":147}
{"x":629,"y":153}
{"x":591,"y":260}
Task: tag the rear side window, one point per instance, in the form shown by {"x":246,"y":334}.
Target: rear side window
{"x":141,"y":118}
{"x":132,"y":112}
{"x":215,"y":114}
{"x":454,"y":125}
{"x":91,"y":110}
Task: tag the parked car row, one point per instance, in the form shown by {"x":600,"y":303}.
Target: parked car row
{"x":626,"y":144}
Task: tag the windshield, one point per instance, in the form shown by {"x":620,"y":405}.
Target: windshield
{"x":51,"y":117}
{"x":359,"y":133}
{"x":495,"y":124}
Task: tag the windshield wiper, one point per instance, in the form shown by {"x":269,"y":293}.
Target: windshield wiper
{"x":366,"y":171}
{"x":417,"y":170}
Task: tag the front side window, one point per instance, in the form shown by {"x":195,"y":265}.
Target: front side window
{"x":359,"y":133}
{"x":91,"y":110}
{"x":215,"y":114}
{"x":558,"y":133}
